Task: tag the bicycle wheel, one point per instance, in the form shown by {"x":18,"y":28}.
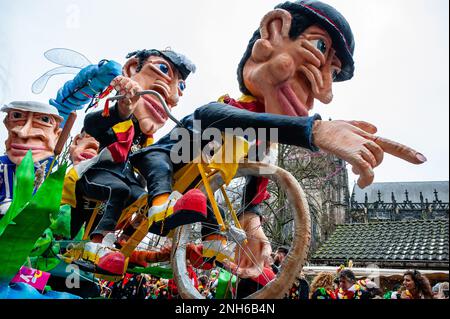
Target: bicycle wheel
{"x":301,"y":235}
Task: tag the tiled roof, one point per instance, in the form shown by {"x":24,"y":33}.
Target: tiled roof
{"x":405,"y":242}
{"x":398,"y":188}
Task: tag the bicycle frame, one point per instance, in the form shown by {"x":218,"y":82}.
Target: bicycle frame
{"x":221,"y":163}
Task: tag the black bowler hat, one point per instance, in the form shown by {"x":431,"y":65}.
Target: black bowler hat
{"x":337,"y":27}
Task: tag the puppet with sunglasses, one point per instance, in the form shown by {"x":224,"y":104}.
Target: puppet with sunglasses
{"x":129,"y":127}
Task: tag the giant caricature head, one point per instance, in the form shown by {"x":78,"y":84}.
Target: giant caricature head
{"x":300,"y":48}
{"x":162,"y":71}
{"x":31,"y":126}
{"x":83,"y":147}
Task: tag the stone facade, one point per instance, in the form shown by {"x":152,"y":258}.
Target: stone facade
{"x":399,"y":201}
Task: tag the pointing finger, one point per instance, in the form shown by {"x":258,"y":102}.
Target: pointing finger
{"x":401,"y":151}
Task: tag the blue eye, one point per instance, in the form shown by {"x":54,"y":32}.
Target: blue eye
{"x":164,"y":68}
{"x":182,"y":86}
{"x":320,"y":45}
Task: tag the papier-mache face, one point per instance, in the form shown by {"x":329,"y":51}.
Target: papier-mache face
{"x":161,"y":71}
{"x":288,"y":74}
{"x":157,"y":74}
{"x":31,"y":126}
{"x":299,"y":50}
{"x":83,"y":147}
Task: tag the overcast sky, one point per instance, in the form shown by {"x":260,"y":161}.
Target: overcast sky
{"x":402,"y":56}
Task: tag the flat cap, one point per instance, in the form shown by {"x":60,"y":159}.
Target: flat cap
{"x":32,"y":106}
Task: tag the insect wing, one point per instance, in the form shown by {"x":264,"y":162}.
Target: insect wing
{"x":39,"y":85}
{"x":67,"y":57}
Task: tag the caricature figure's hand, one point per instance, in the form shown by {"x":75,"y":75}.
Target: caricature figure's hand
{"x":129,"y":88}
{"x":355,"y":142}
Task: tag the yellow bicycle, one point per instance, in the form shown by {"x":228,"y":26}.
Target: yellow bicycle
{"x":216,"y":175}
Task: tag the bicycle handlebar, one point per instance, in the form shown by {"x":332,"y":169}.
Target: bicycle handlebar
{"x":158,"y":96}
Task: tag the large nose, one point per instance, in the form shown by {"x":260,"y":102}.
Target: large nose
{"x":26,"y":130}
{"x":174,"y":95}
{"x":173,"y":98}
{"x":168,"y":90}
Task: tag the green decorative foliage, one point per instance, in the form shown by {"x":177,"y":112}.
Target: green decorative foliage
{"x":31,"y":216}
{"x":61,"y":223}
{"x":22,"y":189}
{"x":80,"y":234}
{"x":44,"y":263}
{"x":42,"y":244}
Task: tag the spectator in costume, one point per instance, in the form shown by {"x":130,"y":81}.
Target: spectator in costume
{"x":348,"y":287}
{"x":299,"y":289}
{"x":416,"y":286}
{"x":322,"y":286}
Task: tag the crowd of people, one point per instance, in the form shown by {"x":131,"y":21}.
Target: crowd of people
{"x":342,"y":284}
{"x":145,"y":286}
{"x":137,"y":286}
{"x":326,"y":285}
{"x":345,"y":285}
